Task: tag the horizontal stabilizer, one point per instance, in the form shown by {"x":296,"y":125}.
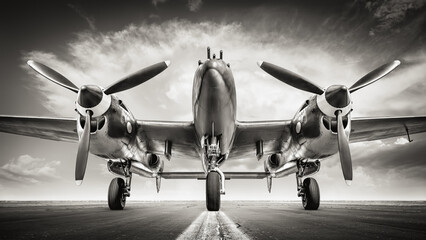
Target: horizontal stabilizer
{"x":202,"y":175}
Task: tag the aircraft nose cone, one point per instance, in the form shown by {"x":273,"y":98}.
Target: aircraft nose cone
{"x":89,"y":96}
{"x":213,"y":79}
{"x":337,"y":96}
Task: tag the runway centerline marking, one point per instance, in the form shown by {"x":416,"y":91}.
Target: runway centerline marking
{"x":212,"y":225}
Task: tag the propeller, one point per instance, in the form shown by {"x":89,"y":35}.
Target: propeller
{"x":304,"y":84}
{"x":337,"y":97}
{"x":374,"y":75}
{"x":344,"y":151}
{"x":83,"y":151}
{"x":137,"y":78}
{"x":52,"y":75}
{"x":290,"y":78}
{"x":90,"y":96}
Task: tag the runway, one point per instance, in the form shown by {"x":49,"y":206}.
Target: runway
{"x":189,"y":220}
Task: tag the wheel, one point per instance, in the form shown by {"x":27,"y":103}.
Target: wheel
{"x":116,"y":198}
{"x":311,"y":197}
{"x":213,"y":191}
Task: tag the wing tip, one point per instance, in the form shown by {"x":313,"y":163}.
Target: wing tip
{"x":167,"y":62}
{"x":259,"y":63}
{"x":78,"y":182}
{"x":31,"y":63}
{"x":397,"y":62}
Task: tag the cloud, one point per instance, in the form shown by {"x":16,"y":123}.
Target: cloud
{"x":156,"y":2}
{"x":27,"y":169}
{"x":388,"y":155}
{"x":194,"y":5}
{"x":390,"y":13}
{"x":103,"y":58}
{"x":401,"y":141}
{"x":83,"y":14}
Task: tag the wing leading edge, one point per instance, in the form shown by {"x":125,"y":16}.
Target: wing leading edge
{"x":369,"y":129}
{"x":57,"y":129}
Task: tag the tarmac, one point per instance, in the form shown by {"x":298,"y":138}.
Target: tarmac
{"x":190,"y":220}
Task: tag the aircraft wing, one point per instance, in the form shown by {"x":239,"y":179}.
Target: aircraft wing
{"x":58,"y":129}
{"x":272,"y":133}
{"x":154,"y":134}
{"x":368,"y":129}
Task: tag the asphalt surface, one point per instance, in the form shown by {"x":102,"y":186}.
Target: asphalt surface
{"x":190,"y":220}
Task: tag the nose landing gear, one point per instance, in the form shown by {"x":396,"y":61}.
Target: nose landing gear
{"x":215,"y":179}
{"x":213,"y":191}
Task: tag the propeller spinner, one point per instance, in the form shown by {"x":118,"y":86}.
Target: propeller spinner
{"x":335,"y":102}
{"x":92,"y":101}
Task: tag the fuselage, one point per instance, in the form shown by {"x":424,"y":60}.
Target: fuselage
{"x":214,"y":103}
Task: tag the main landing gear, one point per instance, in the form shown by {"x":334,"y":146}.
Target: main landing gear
{"x":309,"y":191}
{"x":119,"y":190}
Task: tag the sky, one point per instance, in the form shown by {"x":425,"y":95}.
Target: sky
{"x":328,"y":42}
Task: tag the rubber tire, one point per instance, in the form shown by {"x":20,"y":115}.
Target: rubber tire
{"x":213,"y":191}
{"x":311,"y":199}
{"x":116,"y":199}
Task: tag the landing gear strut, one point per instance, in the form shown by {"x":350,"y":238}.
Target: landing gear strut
{"x":309,"y":191}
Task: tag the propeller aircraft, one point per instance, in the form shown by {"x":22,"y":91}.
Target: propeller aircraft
{"x":322,"y":127}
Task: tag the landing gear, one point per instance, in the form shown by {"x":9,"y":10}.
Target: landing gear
{"x":215,"y":179}
{"x":213,"y":191}
{"x":118,"y":191}
{"x":309,"y":191}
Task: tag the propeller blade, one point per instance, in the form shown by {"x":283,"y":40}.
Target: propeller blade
{"x":52,"y":75}
{"x":290,"y":78}
{"x":374,"y":75}
{"x":83,"y":152}
{"x":137,"y":78}
{"x":344,"y":151}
